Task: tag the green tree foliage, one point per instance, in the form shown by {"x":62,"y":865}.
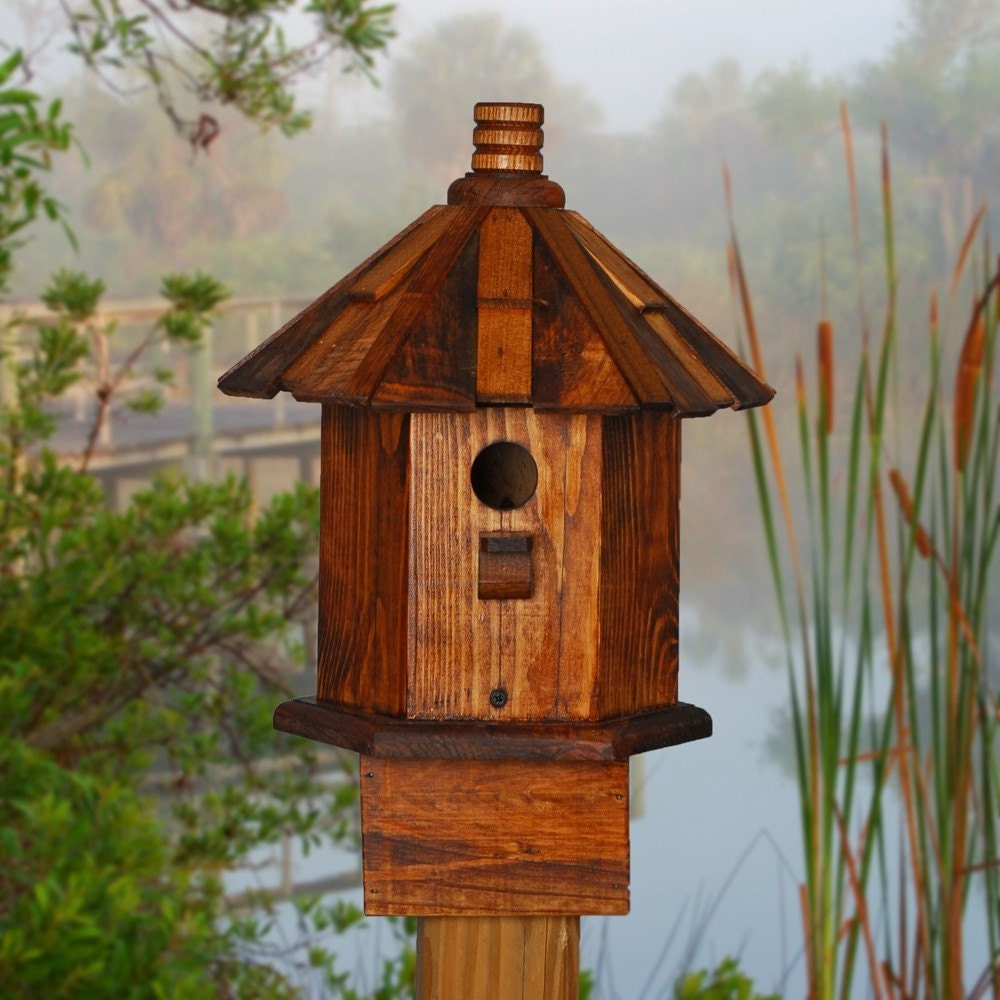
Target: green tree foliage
{"x":147,"y":207}
{"x":932,"y":84}
{"x":935,"y":89}
{"x":230,"y":52}
{"x":153,"y":636}
{"x":263,"y":220}
{"x":29,"y":134}
{"x":141,"y":654}
{"x":151,"y":192}
{"x":725,"y":982}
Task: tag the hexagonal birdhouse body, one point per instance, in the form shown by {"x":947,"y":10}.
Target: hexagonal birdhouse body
{"x":541,"y":587}
{"x":498,"y":615}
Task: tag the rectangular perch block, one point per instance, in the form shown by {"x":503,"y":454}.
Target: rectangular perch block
{"x":454,"y":837}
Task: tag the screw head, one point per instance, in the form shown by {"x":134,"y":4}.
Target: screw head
{"x":498,"y":698}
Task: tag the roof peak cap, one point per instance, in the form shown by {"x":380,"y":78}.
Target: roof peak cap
{"x":508,"y":137}
{"x":507,"y":161}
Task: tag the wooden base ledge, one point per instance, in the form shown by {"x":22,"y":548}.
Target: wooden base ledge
{"x":388,"y":736}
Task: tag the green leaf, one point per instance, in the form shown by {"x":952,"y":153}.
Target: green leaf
{"x":73,"y":293}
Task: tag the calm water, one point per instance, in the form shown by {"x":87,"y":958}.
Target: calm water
{"x":716,"y":854}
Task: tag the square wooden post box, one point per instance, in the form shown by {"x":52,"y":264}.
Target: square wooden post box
{"x":501,"y":397}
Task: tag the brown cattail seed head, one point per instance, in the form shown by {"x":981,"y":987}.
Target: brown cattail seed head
{"x":970,"y":365}
{"x":824,"y":339}
{"x":902,"y":491}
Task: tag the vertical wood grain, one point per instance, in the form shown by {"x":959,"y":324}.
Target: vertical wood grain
{"x":498,"y":958}
{"x":436,"y":363}
{"x":503,"y":352}
{"x":616,"y":327}
{"x":639,"y":563}
{"x":571,"y":367}
{"x":542,"y":651}
{"x":412,"y":304}
{"x":363,"y":559}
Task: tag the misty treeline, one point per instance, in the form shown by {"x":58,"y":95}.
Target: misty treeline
{"x":267,"y":214}
{"x":271,"y":216}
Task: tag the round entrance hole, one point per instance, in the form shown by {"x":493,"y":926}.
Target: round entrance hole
{"x":504,"y":475}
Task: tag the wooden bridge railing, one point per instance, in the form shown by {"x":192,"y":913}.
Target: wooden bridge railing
{"x":199,"y":427}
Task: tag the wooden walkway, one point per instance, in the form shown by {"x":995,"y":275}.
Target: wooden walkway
{"x":199,"y":430}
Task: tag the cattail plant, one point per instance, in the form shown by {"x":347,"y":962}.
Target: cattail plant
{"x":882,"y":537}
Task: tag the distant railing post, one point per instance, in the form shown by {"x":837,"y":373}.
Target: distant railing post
{"x":8,"y":352}
{"x":251,"y":330}
{"x":202,"y":390}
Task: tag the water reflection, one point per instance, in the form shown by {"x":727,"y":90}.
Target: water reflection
{"x":715,"y":857}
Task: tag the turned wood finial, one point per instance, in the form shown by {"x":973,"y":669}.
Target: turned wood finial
{"x":507,"y":162}
{"x":508,"y":138}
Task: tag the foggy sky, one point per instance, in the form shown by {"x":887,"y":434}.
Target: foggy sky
{"x":628,"y":54}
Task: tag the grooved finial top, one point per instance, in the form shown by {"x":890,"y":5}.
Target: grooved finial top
{"x":508,"y":138}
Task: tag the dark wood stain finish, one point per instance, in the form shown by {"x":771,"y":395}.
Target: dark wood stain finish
{"x":638,"y":598}
{"x":504,"y":567}
{"x":572,"y":368}
{"x":577,"y":269}
{"x":583,"y":627}
{"x":418,"y":296}
{"x":259,"y":374}
{"x":422,"y":739}
{"x":541,"y":650}
{"x":363,"y":559}
{"x":494,"y":653}
{"x":526,"y":303}
{"x":436,"y":365}
{"x":504,"y":334}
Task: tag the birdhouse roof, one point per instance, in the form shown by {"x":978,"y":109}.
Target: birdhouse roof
{"x":500,"y":297}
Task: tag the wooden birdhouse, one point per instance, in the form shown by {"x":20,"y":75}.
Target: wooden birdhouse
{"x":498,"y":619}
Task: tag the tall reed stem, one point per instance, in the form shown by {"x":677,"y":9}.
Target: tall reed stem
{"x":882,"y":560}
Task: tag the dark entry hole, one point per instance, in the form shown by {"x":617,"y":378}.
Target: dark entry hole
{"x":504,"y":475}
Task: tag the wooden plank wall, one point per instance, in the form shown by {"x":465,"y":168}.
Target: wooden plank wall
{"x":542,"y":652}
{"x":639,"y":563}
{"x":363,"y":559}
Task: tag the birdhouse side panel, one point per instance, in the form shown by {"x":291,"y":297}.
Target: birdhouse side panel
{"x":639,"y":563}
{"x":475,"y":653}
{"x":363,"y":558}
